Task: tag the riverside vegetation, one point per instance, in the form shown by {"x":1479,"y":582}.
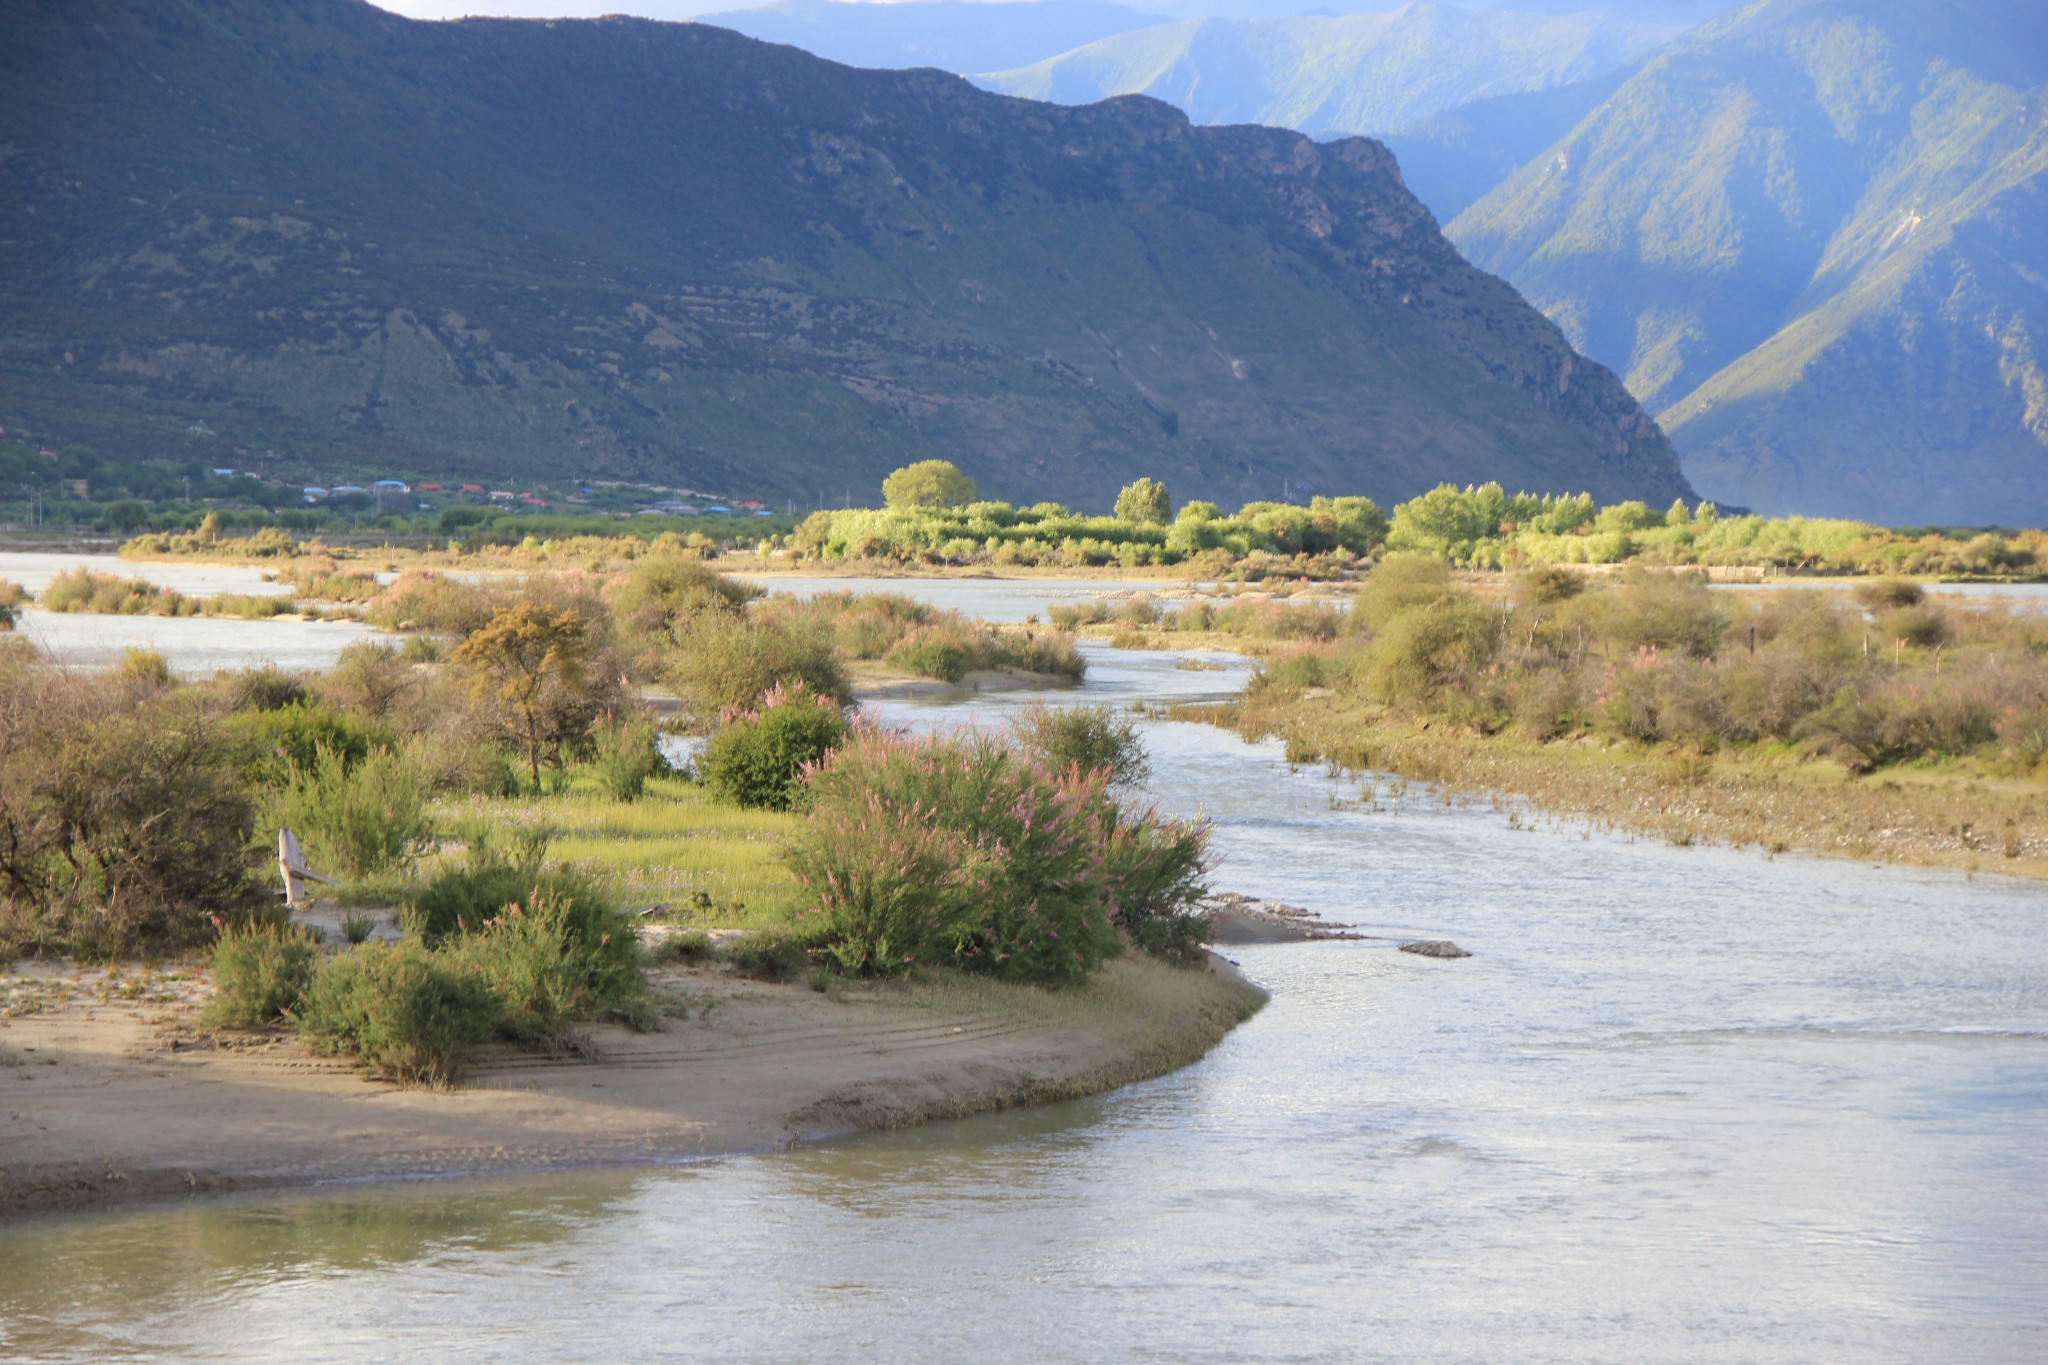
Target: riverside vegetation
{"x":1871,"y":722}
{"x":934,"y":519}
{"x":498,"y":781}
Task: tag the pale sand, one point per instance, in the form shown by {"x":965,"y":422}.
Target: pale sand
{"x":105,"y":1097}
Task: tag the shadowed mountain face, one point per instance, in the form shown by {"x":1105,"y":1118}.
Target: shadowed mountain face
{"x":1813,"y":235}
{"x":622,"y":248}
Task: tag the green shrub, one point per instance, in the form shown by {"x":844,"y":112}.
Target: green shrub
{"x":1548,"y":584}
{"x":462,"y":896}
{"x":371,"y":679}
{"x":691,"y":945}
{"x":270,"y":745}
{"x":723,"y":664}
{"x":1922,"y":627}
{"x":1051,"y":652}
{"x":945,"y":650}
{"x":560,"y":956}
{"x":269,"y":688}
{"x":872,"y":624}
{"x":260,"y":974}
{"x":768,"y":956}
{"x":954,"y":850}
{"x":143,"y":671}
{"x":82,"y":590}
{"x":758,"y":759}
{"x":1155,"y":872}
{"x":666,"y":589}
{"x":421,"y":600}
{"x":360,"y":819}
{"x":625,"y":752}
{"x":122,"y":825}
{"x":1089,"y":738}
{"x":1674,"y":613}
{"x":1420,"y":653}
{"x":402,"y":1011}
{"x":1890,"y":593}
{"x":1399,"y":583}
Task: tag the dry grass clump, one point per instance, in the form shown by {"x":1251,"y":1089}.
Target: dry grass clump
{"x":1651,"y":703}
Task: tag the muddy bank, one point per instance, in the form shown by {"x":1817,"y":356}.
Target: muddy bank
{"x":112,"y":1092}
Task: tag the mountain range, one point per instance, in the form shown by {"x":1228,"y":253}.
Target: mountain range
{"x":952,"y":35}
{"x":314,"y":234}
{"x":1357,"y":73}
{"x":1808,"y":233}
{"x":1811,"y":235}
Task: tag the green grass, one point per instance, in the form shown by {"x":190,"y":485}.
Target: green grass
{"x":672,"y":844}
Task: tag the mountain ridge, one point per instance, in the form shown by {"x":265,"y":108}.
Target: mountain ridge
{"x":1766,"y":231}
{"x":621,"y":248}
{"x":1332,"y":75}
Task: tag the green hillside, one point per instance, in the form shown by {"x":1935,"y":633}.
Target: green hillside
{"x":314,"y":234}
{"x":1809,"y":233}
{"x":1356,"y":73}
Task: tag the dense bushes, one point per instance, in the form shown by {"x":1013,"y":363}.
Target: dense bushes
{"x":965,"y":851}
{"x":927,"y":641}
{"x":103,"y":594}
{"x":1877,"y":678}
{"x":724,"y":663}
{"x":498,"y":946}
{"x":406,"y":1013}
{"x":269,"y":743}
{"x":260,"y":973}
{"x":1087,"y":738}
{"x":1485,"y":527}
{"x":1049,"y":534}
{"x":359,"y":818}
{"x":625,"y":752}
{"x":758,"y":759}
{"x":123,"y":824}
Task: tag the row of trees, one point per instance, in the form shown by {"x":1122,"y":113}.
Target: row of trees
{"x":931,"y":513}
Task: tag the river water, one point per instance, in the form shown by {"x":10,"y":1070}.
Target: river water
{"x":1680,"y":1105}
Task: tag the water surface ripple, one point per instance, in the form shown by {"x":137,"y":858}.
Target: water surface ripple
{"x":1681,"y":1105}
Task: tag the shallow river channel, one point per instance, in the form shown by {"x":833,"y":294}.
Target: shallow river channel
{"x":1681,"y":1105}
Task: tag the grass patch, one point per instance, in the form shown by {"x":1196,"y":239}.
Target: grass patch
{"x":669,"y":847}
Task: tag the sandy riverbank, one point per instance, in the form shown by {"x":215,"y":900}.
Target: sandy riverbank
{"x":109,"y":1090}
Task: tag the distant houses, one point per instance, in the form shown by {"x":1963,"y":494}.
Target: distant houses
{"x":397,"y":495}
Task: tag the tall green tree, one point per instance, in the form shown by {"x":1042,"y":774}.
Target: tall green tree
{"x":929,"y":483}
{"x":1144,"y":503}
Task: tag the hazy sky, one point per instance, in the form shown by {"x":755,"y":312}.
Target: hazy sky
{"x":684,"y":9}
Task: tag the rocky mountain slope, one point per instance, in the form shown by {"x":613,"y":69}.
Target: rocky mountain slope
{"x":1812,"y":235}
{"x":314,"y":231}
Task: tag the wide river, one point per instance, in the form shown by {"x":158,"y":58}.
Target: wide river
{"x":1680,"y":1105}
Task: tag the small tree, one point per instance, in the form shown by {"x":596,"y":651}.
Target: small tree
{"x":929,"y":483}
{"x":125,"y":517}
{"x":527,"y":666}
{"x":1144,"y":503}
